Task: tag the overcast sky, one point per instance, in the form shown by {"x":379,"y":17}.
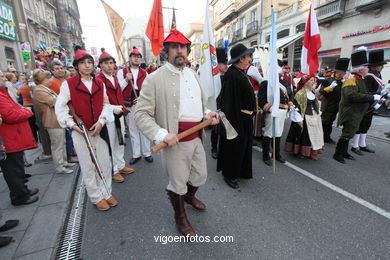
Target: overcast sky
{"x":95,"y":25}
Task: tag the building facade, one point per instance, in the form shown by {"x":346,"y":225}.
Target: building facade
{"x":194,"y":33}
{"x":346,"y":25}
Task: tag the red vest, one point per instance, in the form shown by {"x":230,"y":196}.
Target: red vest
{"x":114,"y":93}
{"x":255,"y":84}
{"x":128,"y":90}
{"x":88,"y":106}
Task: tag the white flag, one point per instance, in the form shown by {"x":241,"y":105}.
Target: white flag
{"x":209,"y":72}
{"x":273,"y":92}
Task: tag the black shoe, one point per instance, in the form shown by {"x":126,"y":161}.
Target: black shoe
{"x":149,"y":159}
{"x":27,"y":175}
{"x":26,"y":202}
{"x":4,"y":241}
{"x":9,"y":224}
{"x":267,"y":161}
{"x":339,"y":158}
{"x":365,"y":149}
{"x":231,"y":182}
{"x":134,"y":160}
{"x":34,"y":191}
{"x":214,"y":155}
{"x":357,"y":151}
{"x":348,"y":156}
{"x":280,"y":159}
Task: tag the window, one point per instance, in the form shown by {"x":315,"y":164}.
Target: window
{"x":241,"y":22}
{"x":300,"y":28}
{"x":253,"y":15}
{"x":9,"y":53}
{"x":267,"y":38}
{"x":283,"y":33}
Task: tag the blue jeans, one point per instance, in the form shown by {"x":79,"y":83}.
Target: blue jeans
{"x":69,"y":143}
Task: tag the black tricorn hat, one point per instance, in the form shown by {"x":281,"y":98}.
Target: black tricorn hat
{"x":221,"y":55}
{"x":342,"y":64}
{"x":238,"y":51}
{"x":359,"y":58}
{"x":376,"y":58}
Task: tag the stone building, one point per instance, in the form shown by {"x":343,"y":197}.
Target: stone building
{"x":194,"y":33}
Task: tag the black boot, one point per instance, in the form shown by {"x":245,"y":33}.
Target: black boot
{"x":345,"y":150}
{"x":192,"y":200}
{"x":278,"y":157}
{"x":182,"y":223}
{"x":265,"y":144}
{"x":338,"y":155}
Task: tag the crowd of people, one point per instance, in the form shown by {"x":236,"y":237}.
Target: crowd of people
{"x":80,"y":113}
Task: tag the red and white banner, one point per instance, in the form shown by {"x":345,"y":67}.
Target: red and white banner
{"x":311,"y":44}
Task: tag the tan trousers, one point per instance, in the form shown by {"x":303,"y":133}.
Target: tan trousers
{"x":185,"y":163}
{"x":58,"y":147}
{"x":280,"y":121}
{"x":118,"y":151}
{"x":92,"y":181}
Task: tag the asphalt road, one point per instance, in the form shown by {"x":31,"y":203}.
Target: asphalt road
{"x":272,"y":216}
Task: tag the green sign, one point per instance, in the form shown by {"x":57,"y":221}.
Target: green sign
{"x":7,"y":22}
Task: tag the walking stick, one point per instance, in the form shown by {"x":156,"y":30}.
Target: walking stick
{"x":91,"y":149}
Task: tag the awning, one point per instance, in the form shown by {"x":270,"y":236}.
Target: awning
{"x":283,"y":42}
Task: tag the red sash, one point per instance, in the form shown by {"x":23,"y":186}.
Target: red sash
{"x":187,"y":125}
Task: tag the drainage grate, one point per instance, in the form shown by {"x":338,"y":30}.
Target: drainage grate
{"x":69,"y":246}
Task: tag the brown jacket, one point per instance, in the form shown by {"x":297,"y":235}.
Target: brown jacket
{"x":45,"y":99}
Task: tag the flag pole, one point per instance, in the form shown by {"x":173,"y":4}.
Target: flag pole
{"x":273,"y":146}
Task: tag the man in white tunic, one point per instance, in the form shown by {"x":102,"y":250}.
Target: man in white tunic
{"x":172,"y":101}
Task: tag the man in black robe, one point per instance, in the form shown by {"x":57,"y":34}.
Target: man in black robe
{"x":237,"y":101}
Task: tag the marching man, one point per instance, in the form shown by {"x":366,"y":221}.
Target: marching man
{"x":116,"y":129}
{"x":173,"y":101}
{"x":89,"y":99}
{"x":131,"y":84}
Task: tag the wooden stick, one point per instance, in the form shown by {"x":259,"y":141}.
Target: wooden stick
{"x":273,"y":146}
{"x":186,"y":133}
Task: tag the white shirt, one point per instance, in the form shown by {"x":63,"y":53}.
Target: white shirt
{"x":135,"y":77}
{"x":110,"y":78}
{"x":191,"y":108}
{"x":62,"y":109}
{"x":122,"y":78}
{"x":255,"y":74}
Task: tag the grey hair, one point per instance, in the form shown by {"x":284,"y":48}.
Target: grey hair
{"x":56,"y":63}
{"x":357,"y":69}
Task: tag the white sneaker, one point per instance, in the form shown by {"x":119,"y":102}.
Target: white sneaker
{"x":66,"y":164}
{"x":65,"y":171}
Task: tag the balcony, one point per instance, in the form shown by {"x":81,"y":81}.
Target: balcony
{"x":291,"y":10}
{"x":362,"y":5}
{"x":72,"y":11}
{"x":252,"y":28}
{"x":237,"y":35}
{"x":228,"y":13}
{"x":330,"y":11}
{"x":52,"y":3}
{"x":242,"y":5}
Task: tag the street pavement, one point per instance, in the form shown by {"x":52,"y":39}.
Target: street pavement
{"x":306,"y":210}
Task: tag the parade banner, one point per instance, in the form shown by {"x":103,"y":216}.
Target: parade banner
{"x":7,"y":22}
{"x":273,"y":93}
{"x":311,"y":44}
{"x":116,"y":24}
{"x":155,"y":28}
{"x":209,"y":72}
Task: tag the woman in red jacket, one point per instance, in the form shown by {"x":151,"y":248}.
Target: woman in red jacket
{"x":17,"y":137}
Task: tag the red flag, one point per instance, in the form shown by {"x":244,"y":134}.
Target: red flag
{"x":155,"y":28}
{"x":311,"y":44}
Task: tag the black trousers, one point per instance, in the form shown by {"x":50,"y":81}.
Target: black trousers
{"x":214,"y":138}
{"x":327,"y":122}
{"x":365,"y":123}
{"x":14,"y":175}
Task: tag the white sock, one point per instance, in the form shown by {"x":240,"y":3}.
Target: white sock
{"x":355,"y":142}
{"x":362,"y":140}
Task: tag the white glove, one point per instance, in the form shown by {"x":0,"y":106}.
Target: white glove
{"x":377,"y":97}
{"x":333,"y":85}
{"x":377,"y":106}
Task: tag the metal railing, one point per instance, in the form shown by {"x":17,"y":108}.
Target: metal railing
{"x":252,"y":28}
{"x":367,"y":3}
{"x":290,"y":10}
{"x":330,"y":11}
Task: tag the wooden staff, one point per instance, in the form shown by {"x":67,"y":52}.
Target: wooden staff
{"x":184,"y":134}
